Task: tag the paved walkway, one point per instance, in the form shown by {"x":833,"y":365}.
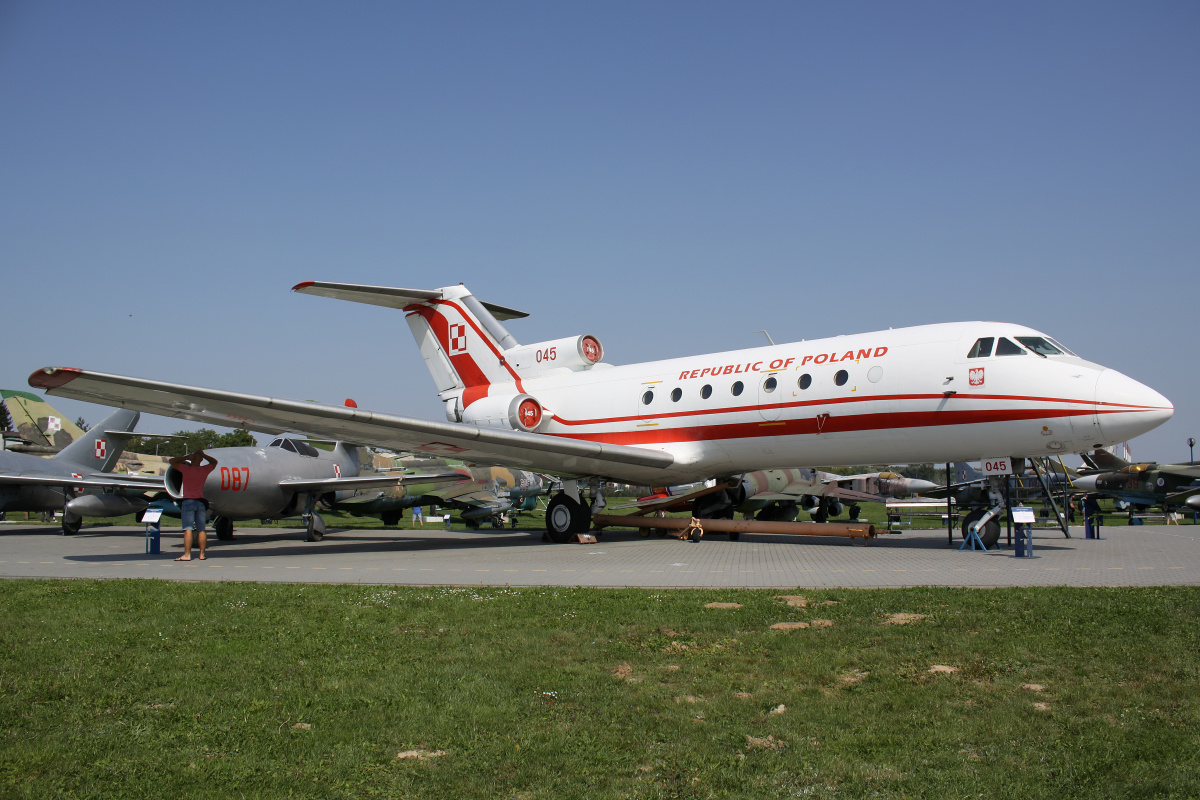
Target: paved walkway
{"x":1126,"y":556}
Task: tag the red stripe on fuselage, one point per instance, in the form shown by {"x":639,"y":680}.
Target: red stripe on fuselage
{"x":807,"y":426}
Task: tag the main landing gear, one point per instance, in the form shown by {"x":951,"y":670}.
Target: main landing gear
{"x":565,"y":517}
{"x":224,"y":528}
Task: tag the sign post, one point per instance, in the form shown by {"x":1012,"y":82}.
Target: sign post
{"x":153,"y":520}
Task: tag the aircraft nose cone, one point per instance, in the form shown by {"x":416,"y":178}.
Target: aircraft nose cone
{"x":1086,"y":483}
{"x":1126,"y":408}
{"x":919,"y":485}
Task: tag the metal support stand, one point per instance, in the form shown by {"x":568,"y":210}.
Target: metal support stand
{"x":973,"y":541}
{"x":949,"y":516}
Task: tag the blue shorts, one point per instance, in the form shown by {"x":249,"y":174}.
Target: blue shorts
{"x":195,"y":514}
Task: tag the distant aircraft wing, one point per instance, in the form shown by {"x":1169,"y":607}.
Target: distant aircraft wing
{"x":366,"y":482}
{"x":91,"y":482}
{"x":555,"y":454}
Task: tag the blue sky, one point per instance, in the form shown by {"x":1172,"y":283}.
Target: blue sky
{"x":671,"y":177}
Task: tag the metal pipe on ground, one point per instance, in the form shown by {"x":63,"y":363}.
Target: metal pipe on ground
{"x":852,"y":531}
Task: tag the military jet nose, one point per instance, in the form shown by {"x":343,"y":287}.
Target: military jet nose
{"x":1086,"y":483}
{"x":917,"y":485}
{"x":1126,"y":408}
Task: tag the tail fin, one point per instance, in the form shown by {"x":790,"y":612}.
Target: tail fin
{"x":964,"y":473}
{"x":42,"y":427}
{"x":461,"y":338}
{"x":97,"y":450}
{"x":1104,"y":461}
{"x":469,"y":353}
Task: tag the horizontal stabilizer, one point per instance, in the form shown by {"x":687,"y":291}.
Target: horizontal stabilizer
{"x":391,"y":297}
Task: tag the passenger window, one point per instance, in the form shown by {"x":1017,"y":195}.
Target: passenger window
{"x":805,"y":381}
{"x":982,"y":348}
{"x":841,"y":377}
{"x":769,"y":384}
{"x":1039,"y":345}
{"x":676,"y":393}
{"x":647,"y":398}
{"x":706,"y":392}
{"x":736,"y":388}
{"x":1006,"y":348}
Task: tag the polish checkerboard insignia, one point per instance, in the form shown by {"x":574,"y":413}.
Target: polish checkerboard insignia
{"x":458,"y":338}
{"x":337,"y":471}
{"x":101,"y":447}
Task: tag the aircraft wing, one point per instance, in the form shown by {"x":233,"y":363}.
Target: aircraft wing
{"x":555,"y":454}
{"x":92,"y":482}
{"x":366,"y":481}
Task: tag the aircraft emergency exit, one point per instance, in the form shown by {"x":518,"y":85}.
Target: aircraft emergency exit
{"x":944,"y":392}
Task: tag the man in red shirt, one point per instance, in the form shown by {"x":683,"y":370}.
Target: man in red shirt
{"x":194,"y":469}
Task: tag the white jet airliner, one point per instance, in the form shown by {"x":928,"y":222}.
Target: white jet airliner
{"x":948,"y":392}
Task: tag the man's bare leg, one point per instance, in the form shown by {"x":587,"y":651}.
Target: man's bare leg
{"x":202,"y":541}
{"x":187,"y":546}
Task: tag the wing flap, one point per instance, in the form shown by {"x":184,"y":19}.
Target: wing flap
{"x":365,"y":482}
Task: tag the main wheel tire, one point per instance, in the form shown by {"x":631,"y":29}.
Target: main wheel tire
{"x":315,"y":532}
{"x":565,"y":518}
{"x":71,"y":528}
{"x":390,"y":518}
{"x":989,"y":534}
{"x":224,"y":528}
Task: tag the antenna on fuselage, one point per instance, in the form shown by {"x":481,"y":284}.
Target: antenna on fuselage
{"x":769,"y":339}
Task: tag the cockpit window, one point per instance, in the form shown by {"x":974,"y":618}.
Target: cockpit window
{"x":306,"y":449}
{"x":1040,"y":346}
{"x":1005,"y":347}
{"x":276,"y":443}
{"x":982,"y":348}
{"x":1059,"y":345}
{"x":298,"y":446}
{"x":288,"y":444}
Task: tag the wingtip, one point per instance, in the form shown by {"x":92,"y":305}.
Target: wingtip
{"x":53,"y":377}
{"x":302,"y":285}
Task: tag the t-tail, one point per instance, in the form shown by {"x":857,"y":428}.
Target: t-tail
{"x":477,"y":365}
{"x":98,"y":449}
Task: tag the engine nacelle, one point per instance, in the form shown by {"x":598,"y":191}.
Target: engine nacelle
{"x":809,"y":503}
{"x":573,"y":352}
{"x":519,"y":412}
{"x":835,"y":507}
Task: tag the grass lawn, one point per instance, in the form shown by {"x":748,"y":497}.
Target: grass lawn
{"x":155,"y":689}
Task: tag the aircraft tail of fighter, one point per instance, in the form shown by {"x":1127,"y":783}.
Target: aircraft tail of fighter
{"x":477,"y":365}
{"x":38,"y":428}
{"x":98,"y":449}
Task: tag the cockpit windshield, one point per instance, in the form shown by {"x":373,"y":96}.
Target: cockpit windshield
{"x":296,"y":446}
{"x":1006,"y":347}
{"x":982,"y":348}
{"x":1040,"y":345}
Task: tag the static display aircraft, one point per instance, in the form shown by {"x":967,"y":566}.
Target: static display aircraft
{"x":1141,"y":485}
{"x":779,"y":495}
{"x":289,"y":477}
{"x":945,"y":392}
{"x":37,"y":427}
{"x":482,"y":494}
{"x":32,"y":483}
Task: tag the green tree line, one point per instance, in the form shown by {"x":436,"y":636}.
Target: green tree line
{"x":189,"y":442}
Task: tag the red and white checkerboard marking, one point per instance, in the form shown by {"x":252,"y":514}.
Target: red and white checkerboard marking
{"x":337,"y":471}
{"x":458,"y":338}
{"x":101,"y":448}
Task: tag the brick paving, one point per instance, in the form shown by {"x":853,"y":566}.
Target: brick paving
{"x":1149,"y":555}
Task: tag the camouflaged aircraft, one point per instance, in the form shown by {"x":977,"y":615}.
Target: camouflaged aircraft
{"x":32,"y":483}
{"x":482,"y":494}
{"x":37,"y":428}
{"x":1141,"y":485}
